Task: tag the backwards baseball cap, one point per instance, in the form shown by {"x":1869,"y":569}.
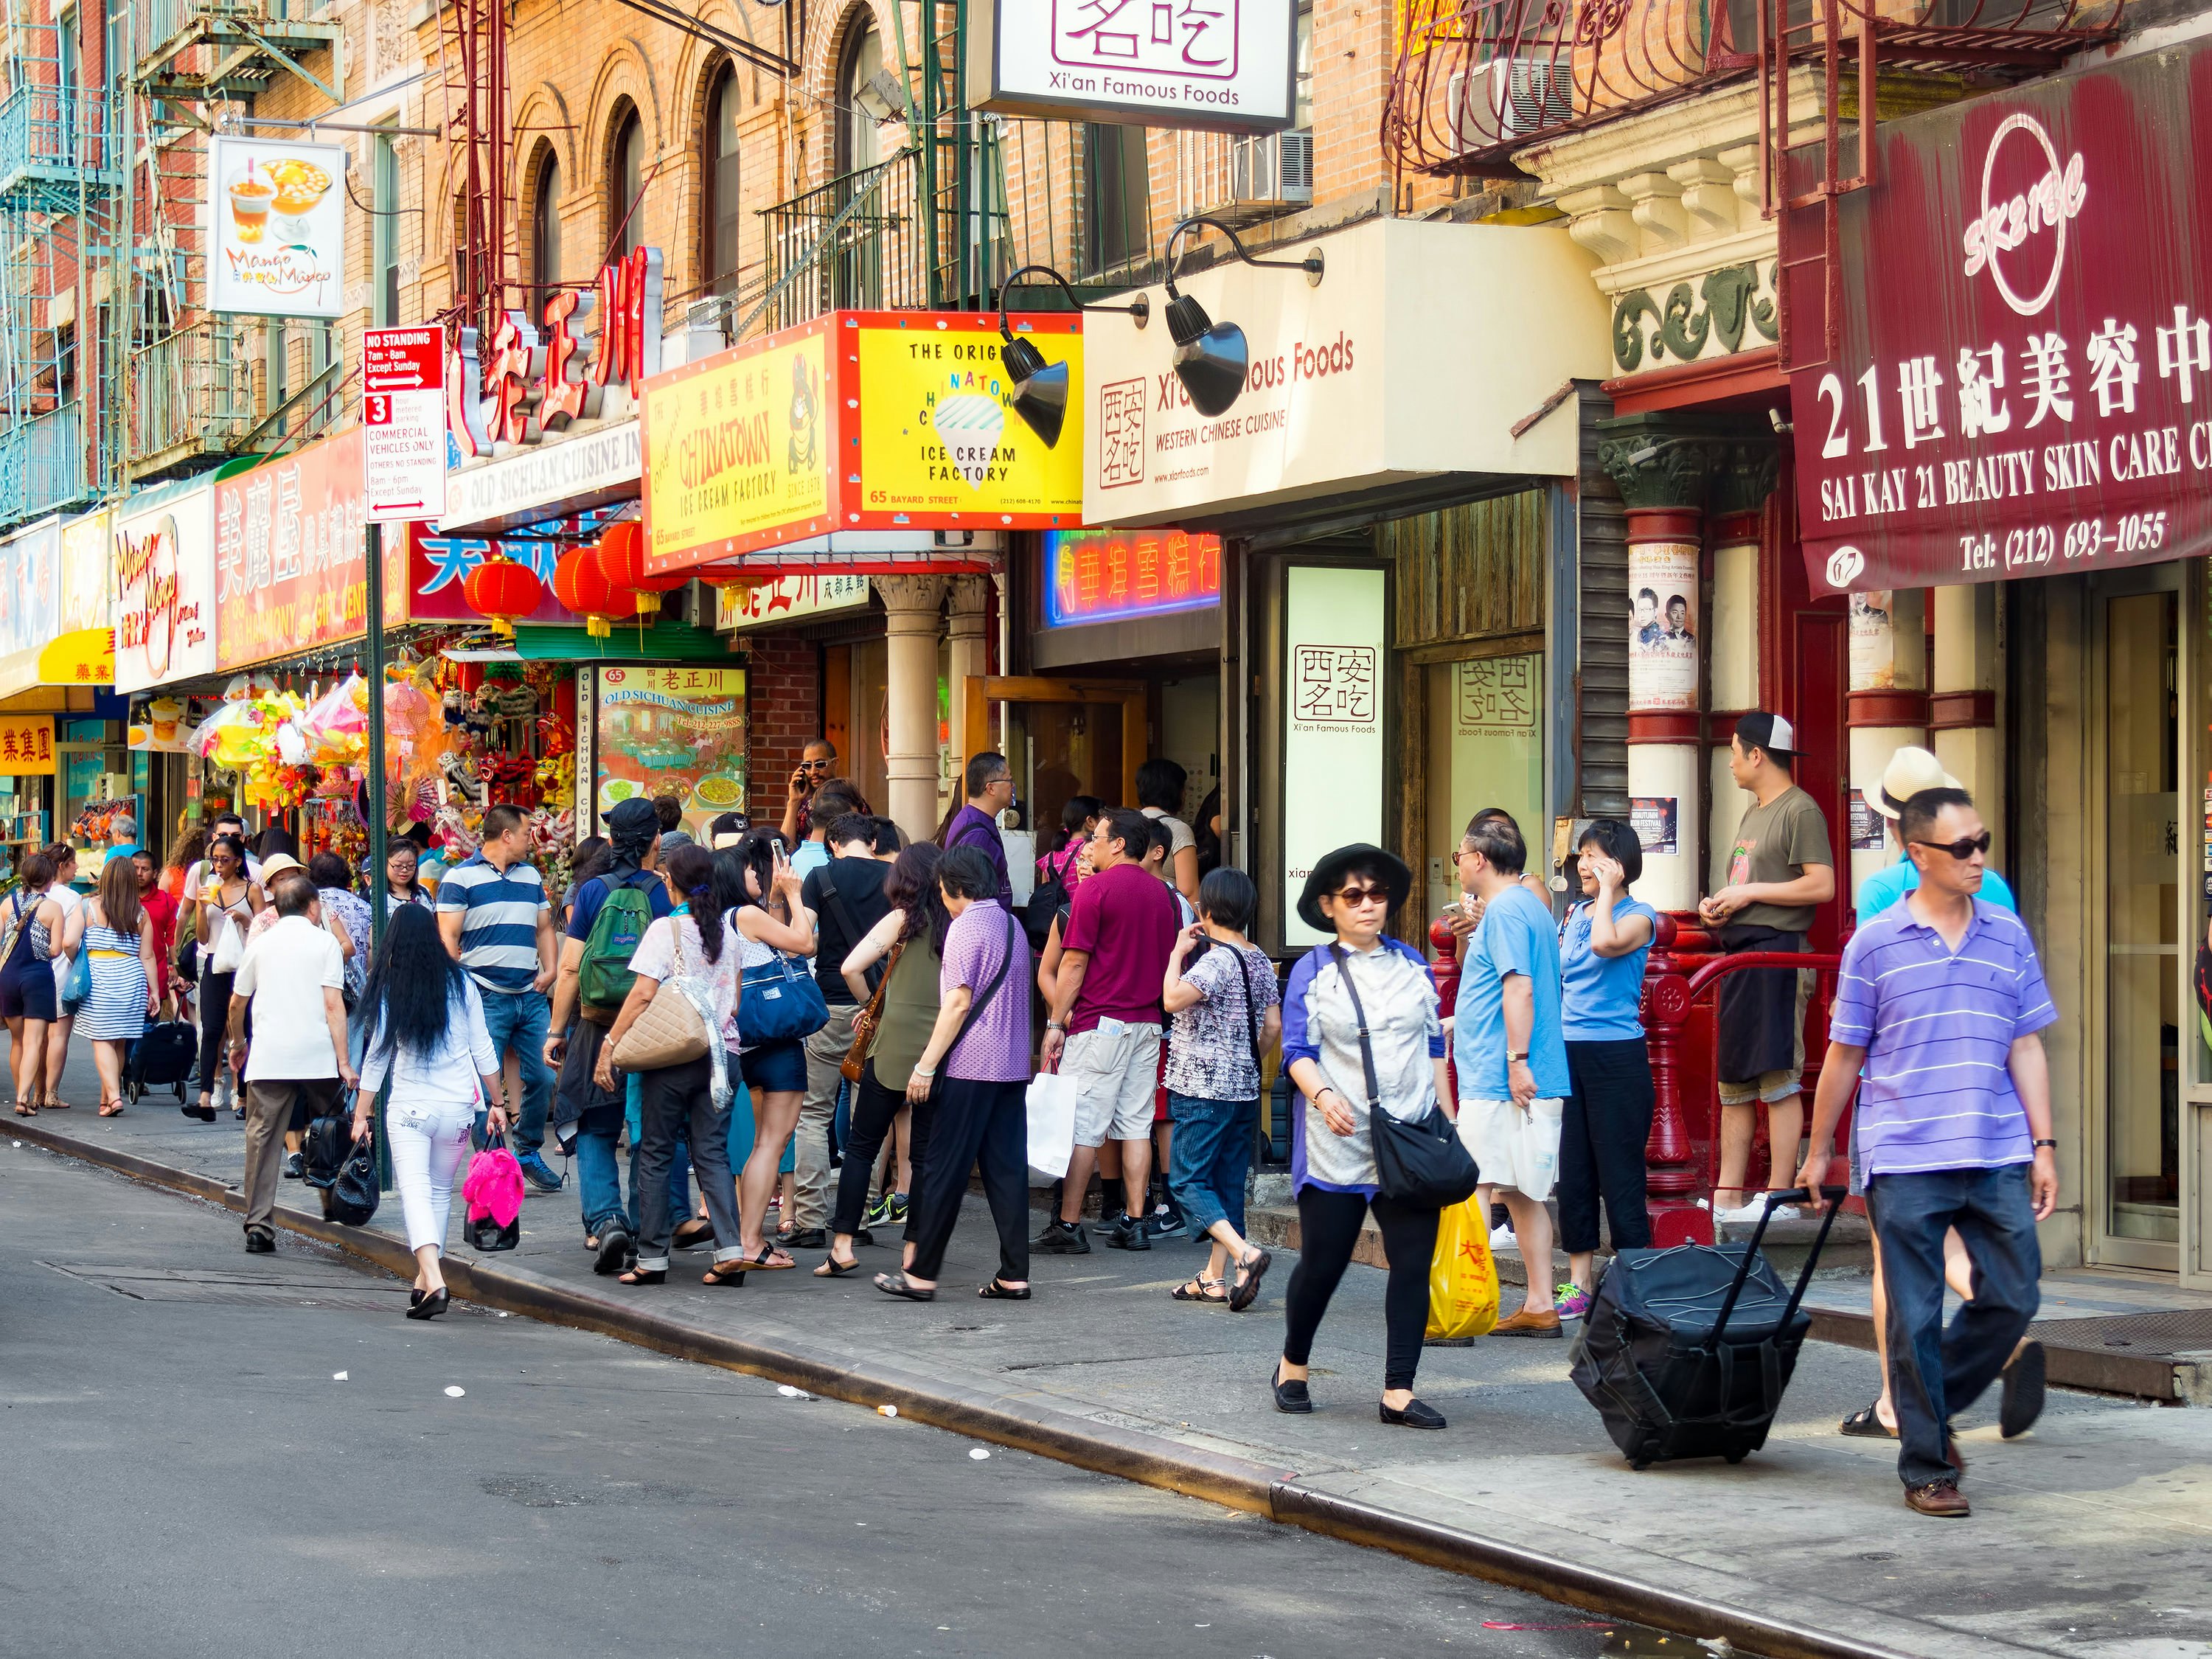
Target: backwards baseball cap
{"x":1761,"y":730}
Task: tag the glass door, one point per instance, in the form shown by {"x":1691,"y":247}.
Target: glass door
{"x":2194,"y":1125}
{"x":2136,"y":1149}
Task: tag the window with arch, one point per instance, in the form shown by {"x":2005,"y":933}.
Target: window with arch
{"x":545,"y":225}
{"x":859,"y":144}
{"x":722,"y":223}
{"x":626,"y":174}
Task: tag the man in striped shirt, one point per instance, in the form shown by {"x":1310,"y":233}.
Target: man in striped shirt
{"x":1937,"y":1008}
{"x":493,"y":912}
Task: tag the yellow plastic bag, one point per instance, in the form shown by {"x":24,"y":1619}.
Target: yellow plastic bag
{"x":1462,"y":1278}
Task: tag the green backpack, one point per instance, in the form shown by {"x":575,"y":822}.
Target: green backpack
{"x":605,"y":978}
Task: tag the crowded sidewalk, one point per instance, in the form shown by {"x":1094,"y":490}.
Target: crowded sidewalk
{"x":2095,"y":1534}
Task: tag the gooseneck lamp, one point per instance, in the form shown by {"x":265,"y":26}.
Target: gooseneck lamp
{"x":1210,"y":358}
{"x":1041,"y":389}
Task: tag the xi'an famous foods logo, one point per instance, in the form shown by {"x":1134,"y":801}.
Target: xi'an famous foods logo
{"x":2027,"y":223}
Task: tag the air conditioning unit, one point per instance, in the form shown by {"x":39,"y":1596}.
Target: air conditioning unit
{"x":1275,"y":170}
{"x":1509,"y":99}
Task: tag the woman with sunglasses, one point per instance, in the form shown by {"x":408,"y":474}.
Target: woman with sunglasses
{"x":1359,"y":979}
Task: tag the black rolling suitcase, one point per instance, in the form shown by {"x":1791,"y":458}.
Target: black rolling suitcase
{"x":162,"y":1058}
{"x":1685,"y":1352}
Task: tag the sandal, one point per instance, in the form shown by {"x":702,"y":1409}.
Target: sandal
{"x":111,"y":1108}
{"x":1208,"y":1290}
{"x":26,"y":1106}
{"x":833,"y":1268}
{"x":1864,"y":1425}
{"x":643,"y":1276}
{"x":1249,"y":1272}
{"x":692,"y":1234}
{"x":764,"y":1264}
{"x":731,"y":1272}
{"x":995,"y":1291}
{"x":897,"y":1285}
{"x":53,"y":1102}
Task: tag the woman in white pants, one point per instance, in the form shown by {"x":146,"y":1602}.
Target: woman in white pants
{"x":425,"y":1032}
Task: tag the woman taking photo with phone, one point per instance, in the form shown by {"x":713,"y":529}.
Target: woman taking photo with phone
{"x":767,"y":918}
{"x":422,"y":1027}
{"x":223,"y":910}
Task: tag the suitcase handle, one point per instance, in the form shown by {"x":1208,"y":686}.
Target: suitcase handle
{"x":1774,"y":1201}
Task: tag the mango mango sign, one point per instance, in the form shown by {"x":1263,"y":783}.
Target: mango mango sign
{"x":886,"y":420}
{"x":739,"y":449}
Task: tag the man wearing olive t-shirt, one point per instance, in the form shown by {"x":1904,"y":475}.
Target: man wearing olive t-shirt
{"x":1781,"y":871}
{"x":1104,"y":1031}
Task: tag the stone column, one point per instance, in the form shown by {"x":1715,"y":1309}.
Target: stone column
{"x":1745,"y":479}
{"x":1962,"y":713}
{"x":910,"y":623}
{"x":1887,"y":708}
{"x":1663,"y":469}
{"x":968,"y":609}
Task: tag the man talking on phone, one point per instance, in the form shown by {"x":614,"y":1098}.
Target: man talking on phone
{"x":816,"y":762}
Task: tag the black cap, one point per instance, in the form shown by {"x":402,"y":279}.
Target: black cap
{"x":1761,"y":730}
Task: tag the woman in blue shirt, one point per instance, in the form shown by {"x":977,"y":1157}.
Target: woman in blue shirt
{"x":1603,"y":946}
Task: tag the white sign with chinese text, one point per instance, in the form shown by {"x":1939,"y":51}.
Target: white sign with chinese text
{"x":1220,"y":65}
{"x":276,"y":220}
{"x":1384,"y":373}
{"x":741,"y":606}
{"x":1336,"y":650}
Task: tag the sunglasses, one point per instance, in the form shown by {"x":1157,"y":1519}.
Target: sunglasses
{"x":814,"y":766}
{"x":1963,"y":848}
{"x":1355,"y":899}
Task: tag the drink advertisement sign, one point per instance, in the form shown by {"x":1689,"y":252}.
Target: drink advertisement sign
{"x":2023,"y":382}
{"x":165,"y":591}
{"x":403,"y":414}
{"x":1216,"y":65}
{"x":276,"y":227}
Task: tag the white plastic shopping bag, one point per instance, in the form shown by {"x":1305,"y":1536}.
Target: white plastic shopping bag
{"x":1052,"y":1125}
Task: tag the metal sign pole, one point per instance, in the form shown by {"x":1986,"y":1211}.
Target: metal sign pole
{"x":379,"y":900}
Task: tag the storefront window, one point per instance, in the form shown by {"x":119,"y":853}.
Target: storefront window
{"x":1485,"y":749}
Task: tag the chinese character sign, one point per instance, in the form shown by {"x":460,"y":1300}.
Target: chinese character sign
{"x":290,"y":552}
{"x":670,"y":730}
{"x":1496,"y":696}
{"x":1219,"y":65}
{"x":2023,"y":383}
{"x":26,"y":745}
{"x":1333,"y":755}
{"x":1109,"y":576}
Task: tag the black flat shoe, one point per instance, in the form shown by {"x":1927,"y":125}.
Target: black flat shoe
{"x":1415,"y":1416}
{"x":259,"y":1243}
{"x":897,"y":1285}
{"x":432,"y":1305}
{"x":615,"y":1251}
{"x":205,"y":1114}
{"x":995,"y":1291}
{"x":414,"y":1297}
{"x":1289,"y":1396}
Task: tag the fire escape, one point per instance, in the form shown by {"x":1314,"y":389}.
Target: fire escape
{"x":198,"y":385}
{"x":60,"y":179}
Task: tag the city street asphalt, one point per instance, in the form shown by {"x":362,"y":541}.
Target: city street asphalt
{"x":212,"y":1452}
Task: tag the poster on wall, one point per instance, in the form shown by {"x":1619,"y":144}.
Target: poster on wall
{"x":1222,"y":65}
{"x":1663,"y":625}
{"x":1869,"y":827}
{"x":30,"y":588}
{"x":165,"y":591}
{"x":1334,"y":649}
{"x":1657,"y":821}
{"x":1874,"y":642}
{"x":88,"y":578}
{"x":275,"y":227}
{"x":647,"y":730}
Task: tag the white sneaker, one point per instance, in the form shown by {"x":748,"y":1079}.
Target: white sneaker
{"x":223,"y":1099}
{"x":1501,"y":1238}
{"x":1749,"y":1214}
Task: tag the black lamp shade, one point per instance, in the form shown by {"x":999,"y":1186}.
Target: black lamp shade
{"x":1212,"y":367}
{"x":1040,"y":389}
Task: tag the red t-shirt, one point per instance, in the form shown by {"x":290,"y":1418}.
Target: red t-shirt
{"x":163,"y":908}
{"x":1125,"y":920}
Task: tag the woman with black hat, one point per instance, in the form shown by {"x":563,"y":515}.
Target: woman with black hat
{"x":1359,"y":979}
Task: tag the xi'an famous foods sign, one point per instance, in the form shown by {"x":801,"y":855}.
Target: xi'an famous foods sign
{"x":2023,"y":385}
{"x":859,"y":420}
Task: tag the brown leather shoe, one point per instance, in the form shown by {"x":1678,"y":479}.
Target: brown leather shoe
{"x":1941,"y":1498}
{"x":1526,"y":1323}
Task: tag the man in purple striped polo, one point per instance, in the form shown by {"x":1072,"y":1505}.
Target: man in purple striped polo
{"x":1937,"y":1008}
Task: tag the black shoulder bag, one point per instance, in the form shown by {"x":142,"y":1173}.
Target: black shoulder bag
{"x":1421,"y":1164}
{"x":853,"y":932}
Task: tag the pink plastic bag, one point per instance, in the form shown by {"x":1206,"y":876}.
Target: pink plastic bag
{"x":493,"y":1186}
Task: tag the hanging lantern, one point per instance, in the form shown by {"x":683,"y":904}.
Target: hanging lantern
{"x":622,"y":560}
{"x":502,"y":590}
{"x":580,"y":585}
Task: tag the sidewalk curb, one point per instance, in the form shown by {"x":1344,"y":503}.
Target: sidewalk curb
{"x":1017,"y":1422}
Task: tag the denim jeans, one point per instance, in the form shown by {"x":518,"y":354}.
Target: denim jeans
{"x":517,"y":1020}
{"x":600,"y":1184}
{"x":1211,"y":1155}
{"x":1937,"y":1373}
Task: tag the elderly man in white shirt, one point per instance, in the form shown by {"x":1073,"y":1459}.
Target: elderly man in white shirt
{"x":292,"y":975}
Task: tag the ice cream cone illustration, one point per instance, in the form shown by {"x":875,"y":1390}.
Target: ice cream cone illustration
{"x":970,"y":426}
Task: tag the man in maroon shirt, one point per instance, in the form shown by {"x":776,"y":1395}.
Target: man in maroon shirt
{"x":1104,"y":1031}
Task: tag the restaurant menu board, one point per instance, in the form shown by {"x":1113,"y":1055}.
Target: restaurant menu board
{"x":651,"y":730}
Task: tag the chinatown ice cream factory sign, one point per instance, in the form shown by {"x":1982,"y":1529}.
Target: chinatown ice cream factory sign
{"x":2023,"y":383}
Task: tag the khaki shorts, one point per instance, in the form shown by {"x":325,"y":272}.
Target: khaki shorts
{"x":1771,"y":1086}
{"x":1513,"y":1149}
{"x":1115,"y":1068}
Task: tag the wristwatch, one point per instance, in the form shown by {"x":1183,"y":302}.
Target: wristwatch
{"x":1511,"y":1056}
{"x":2052,"y":1144}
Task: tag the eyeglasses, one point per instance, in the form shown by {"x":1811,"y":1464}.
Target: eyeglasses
{"x":1963,"y":848}
{"x":1356,"y":899}
{"x":814,"y":766}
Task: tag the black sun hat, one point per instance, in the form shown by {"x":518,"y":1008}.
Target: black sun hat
{"x":1328,"y":875}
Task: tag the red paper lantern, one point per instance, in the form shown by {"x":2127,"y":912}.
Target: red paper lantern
{"x":502,"y":590}
{"x":622,"y":560}
{"x":580,"y":585}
